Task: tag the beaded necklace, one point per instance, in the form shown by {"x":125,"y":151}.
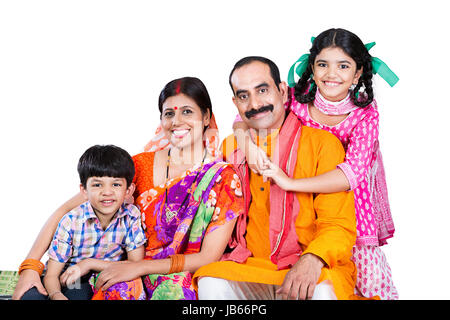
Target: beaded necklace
{"x":169,"y":213}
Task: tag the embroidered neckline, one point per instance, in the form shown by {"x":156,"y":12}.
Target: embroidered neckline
{"x":334,"y":108}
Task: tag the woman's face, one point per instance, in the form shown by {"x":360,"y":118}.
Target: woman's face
{"x":183,"y":121}
{"x":334,"y":73}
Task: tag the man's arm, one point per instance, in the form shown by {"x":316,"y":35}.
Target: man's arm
{"x":335,"y":225}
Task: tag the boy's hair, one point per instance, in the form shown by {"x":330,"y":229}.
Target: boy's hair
{"x":105,"y":161}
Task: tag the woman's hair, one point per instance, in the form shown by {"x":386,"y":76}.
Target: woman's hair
{"x":105,"y":161}
{"x":189,"y":86}
{"x":352,"y":46}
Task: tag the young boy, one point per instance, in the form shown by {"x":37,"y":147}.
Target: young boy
{"x":102,"y":230}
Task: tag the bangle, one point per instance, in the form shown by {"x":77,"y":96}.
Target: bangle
{"x":32,"y":264}
{"x":176,"y":263}
{"x":50,"y":296}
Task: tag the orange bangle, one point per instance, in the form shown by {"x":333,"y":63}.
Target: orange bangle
{"x":176,"y":263}
{"x":32,"y":264}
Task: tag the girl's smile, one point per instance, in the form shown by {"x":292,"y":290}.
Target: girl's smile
{"x":334,"y":73}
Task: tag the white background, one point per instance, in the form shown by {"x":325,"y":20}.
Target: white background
{"x":78,"y":73}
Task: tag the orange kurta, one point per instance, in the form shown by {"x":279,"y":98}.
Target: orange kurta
{"x":326,"y":224}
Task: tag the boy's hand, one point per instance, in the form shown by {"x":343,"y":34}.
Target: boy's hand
{"x":73,"y":273}
{"x":277,"y":175}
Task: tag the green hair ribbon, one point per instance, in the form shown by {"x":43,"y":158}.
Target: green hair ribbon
{"x":378,"y":67}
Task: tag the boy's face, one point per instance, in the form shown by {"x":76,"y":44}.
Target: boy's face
{"x":106,"y":195}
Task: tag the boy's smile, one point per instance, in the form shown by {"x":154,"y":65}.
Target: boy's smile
{"x":106,"y":195}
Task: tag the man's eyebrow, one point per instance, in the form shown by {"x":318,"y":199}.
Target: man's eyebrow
{"x":264,"y":84}
{"x":238,"y":92}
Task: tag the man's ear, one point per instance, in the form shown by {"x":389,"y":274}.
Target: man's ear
{"x":284,"y":90}
{"x":234,"y":101}
{"x":83,"y":191}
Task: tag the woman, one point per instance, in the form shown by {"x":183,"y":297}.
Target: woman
{"x":188,"y":199}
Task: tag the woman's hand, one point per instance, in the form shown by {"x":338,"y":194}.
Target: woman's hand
{"x":27,"y":280}
{"x":120,"y":271}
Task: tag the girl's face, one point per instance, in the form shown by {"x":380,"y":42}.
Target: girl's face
{"x":334,"y":73}
{"x":183,"y":121}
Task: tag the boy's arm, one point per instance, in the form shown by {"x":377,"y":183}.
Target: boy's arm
{"x":51,"y":280}
{"x":136,"y":254}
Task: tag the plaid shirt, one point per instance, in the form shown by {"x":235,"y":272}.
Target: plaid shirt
{"x":79,"y":235}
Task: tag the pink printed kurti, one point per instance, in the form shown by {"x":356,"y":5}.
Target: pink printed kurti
{"x":363,"y":166}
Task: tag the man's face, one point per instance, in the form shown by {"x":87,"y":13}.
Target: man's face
{"x":260,"y":103}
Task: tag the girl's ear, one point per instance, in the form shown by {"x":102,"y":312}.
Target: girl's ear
{"x":357,"y":75}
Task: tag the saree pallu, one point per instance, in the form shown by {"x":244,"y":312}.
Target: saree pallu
{"x":200,"y":201}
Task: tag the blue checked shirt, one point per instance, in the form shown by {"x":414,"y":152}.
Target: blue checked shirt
{"x":79,"y":235}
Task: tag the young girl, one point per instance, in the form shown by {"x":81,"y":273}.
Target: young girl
{"x":328,"y":96}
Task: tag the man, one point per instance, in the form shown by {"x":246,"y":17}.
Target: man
{"x":294,"y":246}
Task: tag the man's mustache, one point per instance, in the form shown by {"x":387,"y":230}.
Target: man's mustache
{"x":254,"y":112}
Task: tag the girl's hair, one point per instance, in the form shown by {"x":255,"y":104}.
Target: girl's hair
{"x":189,"y":86}
{"x":352,"y":46}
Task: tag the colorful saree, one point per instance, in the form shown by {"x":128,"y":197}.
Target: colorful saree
{"x":203,"y":199}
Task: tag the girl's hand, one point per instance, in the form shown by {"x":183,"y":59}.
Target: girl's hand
{"x":256,"y":158}
{"x":277,"y":175}
{"x":27,"y":280}
{"x":75,"y":272}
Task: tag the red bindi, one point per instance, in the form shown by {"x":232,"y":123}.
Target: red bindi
{"x":175,"y":108}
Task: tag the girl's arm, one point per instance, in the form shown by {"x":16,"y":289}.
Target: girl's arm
{"x":329,"y":182}
{"x":349,"y":174}
{"x":255,"y":156}
{"x":212,"y":249}
{"x":30,"y":278}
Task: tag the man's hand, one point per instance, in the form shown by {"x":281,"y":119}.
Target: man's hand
{"x":301,"y":280}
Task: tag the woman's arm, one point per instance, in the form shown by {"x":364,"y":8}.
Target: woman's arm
{"x":73,"y":273}
{"x":42,"y":241}
{"x":30,"y":278}
{"x":212,"y":249}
